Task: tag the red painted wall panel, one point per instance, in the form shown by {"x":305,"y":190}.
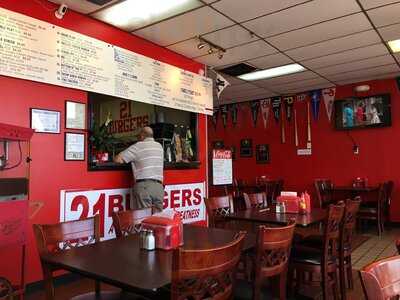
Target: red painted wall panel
{"x":332,"y":155}
{"x":49,"y":172}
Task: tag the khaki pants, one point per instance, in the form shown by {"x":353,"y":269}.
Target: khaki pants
{"x":147,"y":194}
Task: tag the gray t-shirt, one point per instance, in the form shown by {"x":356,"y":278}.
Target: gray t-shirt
{"x":146,"y":158}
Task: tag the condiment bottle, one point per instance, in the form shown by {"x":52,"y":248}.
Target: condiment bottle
{"x":150,"y":240}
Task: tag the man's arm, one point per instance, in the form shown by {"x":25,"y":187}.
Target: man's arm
{"x":118,"y":159}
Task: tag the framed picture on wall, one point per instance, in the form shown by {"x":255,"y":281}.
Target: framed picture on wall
{"x":45,"y":121}
{"x":233,"y":150}
{"x":246,"y":148}
{"x":262,"y":154}
{"x":75,"y":115}
{"x":218,"y":145}
{"x":74,"y":148}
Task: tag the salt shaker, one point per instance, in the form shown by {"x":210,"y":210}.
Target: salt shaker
{"x":143,"y":234}
{"x":150,"y":241}
{"x":283,"y":209}
{"x":278,"y":207}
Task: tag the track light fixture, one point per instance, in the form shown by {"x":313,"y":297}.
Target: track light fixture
{"x":213,"y":48}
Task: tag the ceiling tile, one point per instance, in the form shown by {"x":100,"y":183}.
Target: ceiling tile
{"x":335,"y":45}
{"x":270,"y":61}
{"x":238,"y":54}
{"x":241,"y":87}
{"x":321,"y":32}
{"x":367,"y":4}
{"x":243,"y":93}
{"x":385,"y":15}
{"x":300,"y":16}
{"x":301,"y":85}
{"x":391,"y":32}
{"x":249,"y":9}
{"x":188,"y":48}
{"x":306,"y":88}
{"x":368,"y":78}
{"x":230,"y":37}
{"x":357,"y":65}
{"x":185,"y":26}
{"x":366,"y":72}
{"x":286,"y":79}
{"x":82,"y":7}
{"x":265,"y":94}
{"x":346,"y":56}
{"x":232,"y":80}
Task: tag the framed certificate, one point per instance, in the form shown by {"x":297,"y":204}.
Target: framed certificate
{"x":45,"y":121}
{"x":74,"y":146}
{"x":262,"y":154}
{"x":75,"y":115}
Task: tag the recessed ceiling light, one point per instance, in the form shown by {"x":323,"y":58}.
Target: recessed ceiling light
{"x":394,"y":45}
{"x":273,"y":72}
{"x":132,"y":14}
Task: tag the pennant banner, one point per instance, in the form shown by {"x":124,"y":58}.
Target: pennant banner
{"x":289,"y":100}
{"x":276,"y":108}
{"x":224,"y":114}
{"x":301,"y":97}
{"x":234,"y":111}
{"x":315,"y":101}
{"x":220,"y":83}
{"x":265,"y":105}
{"x":215,"y":116}
{"x":329,"y":96}
{"x":255,"y":107}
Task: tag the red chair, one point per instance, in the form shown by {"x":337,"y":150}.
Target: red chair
{"x":381,"y":279}
{"x":129,"y":222}
{"x":255,"y":201}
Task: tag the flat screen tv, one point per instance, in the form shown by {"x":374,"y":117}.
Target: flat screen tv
{"x":363,"y":112}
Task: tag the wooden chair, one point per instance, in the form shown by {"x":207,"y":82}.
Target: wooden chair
{"x":54,"y":238}
{"x":270,"y":190}
{"x":381,"y":279}
{"x":387,"y":203}
{"x":217,"y":208}
{"x":129,"y":222}
{"x":278,"y":187}
{"x":346,"y":236}
{"x":255,"y":201}
{"x":272,"y":256}
{"x":374,"y":210}
{"x":323,"y":260}
{"x":360,"y":182}
{"x":205,"y":274}
{"x":323,"y":188}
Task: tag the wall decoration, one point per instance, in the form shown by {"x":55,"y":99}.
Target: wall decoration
{"x":246,"y":148}
{"x":45,"y":121}
{"x":92,"y":65}
{"x":262,"y":154}
{"x":265,"y":106}
{"x":289,"y":100}
{"x":276,"y":108}
{"x":220,"y":84}
{"x":315,"y":101}
{"x":222,"y":167}
{"x":233,"y":150}
{"x":215,"y":117}
{"x":75,"y":115}
{"x":255,"y":107}
{"x":74,"y":146}
{"x":224,"y":114}
{"x":218,"y":145}
{"x":301,"y":97}
{"x":234,"y":112}
{"x":329,"y":96}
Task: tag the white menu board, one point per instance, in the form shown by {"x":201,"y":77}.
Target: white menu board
{"x":222,"y":167}
{"x":39,"y":51}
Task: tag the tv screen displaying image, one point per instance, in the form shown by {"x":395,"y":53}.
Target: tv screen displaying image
{"x":363,"y":112}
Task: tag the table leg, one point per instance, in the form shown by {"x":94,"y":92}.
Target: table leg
{"x":48,"y":282}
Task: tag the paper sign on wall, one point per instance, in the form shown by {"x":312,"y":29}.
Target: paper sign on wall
{"x":222,"y":167}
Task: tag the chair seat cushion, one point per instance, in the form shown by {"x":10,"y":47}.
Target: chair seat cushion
{"x":316,"y":241}
{"x":303,"y":255}
{"x":368,"y":210}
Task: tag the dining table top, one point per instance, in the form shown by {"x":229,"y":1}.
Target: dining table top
{"x":121,"y":262}
{"x":270,"y":216}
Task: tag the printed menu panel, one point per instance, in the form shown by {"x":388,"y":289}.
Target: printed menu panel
{"x":35,"y":50}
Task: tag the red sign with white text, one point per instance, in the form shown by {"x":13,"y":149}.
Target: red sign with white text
{"x":187,"y":199}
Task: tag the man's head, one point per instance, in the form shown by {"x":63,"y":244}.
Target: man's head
{"x":145,"y":132}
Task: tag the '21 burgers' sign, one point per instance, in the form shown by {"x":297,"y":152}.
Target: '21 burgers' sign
{"x":187,"y":199}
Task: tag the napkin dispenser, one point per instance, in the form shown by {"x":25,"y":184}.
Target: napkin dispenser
{"x":291,"y":203}
{"x":167,"y":228}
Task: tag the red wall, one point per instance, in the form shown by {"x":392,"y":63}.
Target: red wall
{"x":49,"y":172}
{"x":332,"y":155}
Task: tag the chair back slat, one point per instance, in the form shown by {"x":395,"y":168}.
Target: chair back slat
{"x":206,"y":274}
{"x":217,"y":208}
{"x":255,"y":200}
{"x":349,"y":223}
{"x":129,"y":222}
{"x":381,"y":279}
{"x":332,"y":232}
{"x":323,"y":188}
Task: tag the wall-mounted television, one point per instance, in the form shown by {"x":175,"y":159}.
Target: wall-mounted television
{"x":363,"y":112}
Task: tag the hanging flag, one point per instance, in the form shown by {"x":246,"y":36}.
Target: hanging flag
{"x":221,"y":83}
{"x":265,"y":104}
{"x":224,"y":114}
{"x":276,"y":108}
{"x":329,"y":96}
{"x":289,"y":100}
{"x":255,"y":107}
{"x":315,"y":100}
{"x":234,"y":111}
{"x":215,"y":117}
{"x":301,"y":97}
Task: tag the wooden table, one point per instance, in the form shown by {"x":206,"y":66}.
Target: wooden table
{"x":269,"y":216}
{"x":120,"y":262}
{"x":353,"y":192}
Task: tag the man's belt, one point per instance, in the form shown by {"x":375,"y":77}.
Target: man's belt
{"x":149,"y":179}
